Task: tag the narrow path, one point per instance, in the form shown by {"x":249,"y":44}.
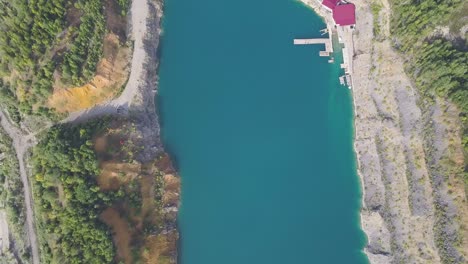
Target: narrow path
{"x":141,"y":19}
{"x":21,"y":143}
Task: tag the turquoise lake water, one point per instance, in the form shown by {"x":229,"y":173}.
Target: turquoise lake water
{"x":261,"y":133}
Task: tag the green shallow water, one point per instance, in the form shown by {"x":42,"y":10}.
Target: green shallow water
{"x":261,"y":133}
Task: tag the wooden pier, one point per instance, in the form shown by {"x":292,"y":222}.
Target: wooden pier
{"x":325,"y":41}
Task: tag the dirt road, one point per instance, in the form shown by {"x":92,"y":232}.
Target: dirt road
{"x":22,"y":142}
{"x":144,"y":19}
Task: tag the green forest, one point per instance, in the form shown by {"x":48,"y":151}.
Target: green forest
{"x":70,"y":204}
{"x":437,"y":65}
{"x":46,"y":40}
{"x":68,"y":199}
{"x":80,"y":61}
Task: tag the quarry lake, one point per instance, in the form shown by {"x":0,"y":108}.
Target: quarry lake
{"x":261,"y":132}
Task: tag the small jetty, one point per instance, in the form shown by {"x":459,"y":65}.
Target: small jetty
{"x":325,"y":41}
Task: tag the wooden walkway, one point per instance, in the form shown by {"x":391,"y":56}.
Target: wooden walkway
{"x":311,"y":41}
{"x":326,"y":41}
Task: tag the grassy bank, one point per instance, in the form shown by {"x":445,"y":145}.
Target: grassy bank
{"x":435,"y":60}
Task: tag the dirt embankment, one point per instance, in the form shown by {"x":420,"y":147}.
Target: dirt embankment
{"x":111,"y":74}
{"x":412,"y":209}
{"x":149,"y":232}
{"x":112,"y":70}
{"x":143,"y":220}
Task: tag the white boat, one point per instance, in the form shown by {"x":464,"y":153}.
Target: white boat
{"x":342,"y":80}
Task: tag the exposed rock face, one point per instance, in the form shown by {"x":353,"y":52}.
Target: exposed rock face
{"x":408,"y":214}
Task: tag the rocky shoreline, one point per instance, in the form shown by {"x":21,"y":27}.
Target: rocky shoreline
{"x":413,"y":206}
{"x":143,"y":105}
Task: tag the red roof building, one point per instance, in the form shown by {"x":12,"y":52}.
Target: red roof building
{"x":330,"y":3}
{"x":344,"y":15}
